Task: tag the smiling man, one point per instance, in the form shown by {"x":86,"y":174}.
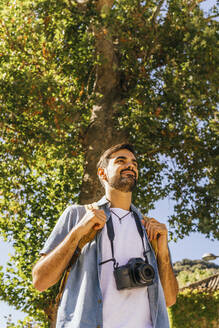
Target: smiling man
{"x":117,"y":281}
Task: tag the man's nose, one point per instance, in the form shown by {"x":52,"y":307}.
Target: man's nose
{"x":130,"y":166}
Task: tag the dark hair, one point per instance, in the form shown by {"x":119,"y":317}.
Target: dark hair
{"x":105,"y":157}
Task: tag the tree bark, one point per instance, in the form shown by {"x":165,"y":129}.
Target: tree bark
{"x":101,"y":133}
{"x":51,"y":313}
{"x":100,"y":136}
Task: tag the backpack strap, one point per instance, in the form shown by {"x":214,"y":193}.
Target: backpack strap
{"x":154,"y":241}
{"x":86,"y":239}
{"x":92,"y":233}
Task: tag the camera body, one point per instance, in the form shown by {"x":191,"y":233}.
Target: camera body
{"x":136,"y":273}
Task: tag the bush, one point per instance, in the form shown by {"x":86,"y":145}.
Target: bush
{"x":195,"y":309}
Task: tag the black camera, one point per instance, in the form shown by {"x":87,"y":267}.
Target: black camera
{"x":136,"y":273}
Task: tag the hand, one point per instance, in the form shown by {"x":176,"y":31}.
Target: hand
{"x":156,"y":230}
{"x":93,"y":219}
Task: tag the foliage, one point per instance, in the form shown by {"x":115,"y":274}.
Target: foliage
{"x":192,"y":265}
{"x":26,"y":323}
{"x":184,"y":277}
{"x":77,"y":77}
{"x":189,"y":271}
{"x":195,"y":309}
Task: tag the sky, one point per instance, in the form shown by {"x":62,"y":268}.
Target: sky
{"x":191,"y":247}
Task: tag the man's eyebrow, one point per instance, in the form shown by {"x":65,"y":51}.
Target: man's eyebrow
{"x":124,"y":157}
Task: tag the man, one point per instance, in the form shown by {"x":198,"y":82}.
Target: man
{"x":92,"y":297}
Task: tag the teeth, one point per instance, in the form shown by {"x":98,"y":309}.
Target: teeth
{"x":128,"y":173}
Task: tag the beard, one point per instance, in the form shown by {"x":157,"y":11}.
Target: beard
{"x":124,"y":183}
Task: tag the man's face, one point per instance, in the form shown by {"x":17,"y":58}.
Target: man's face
{"x":122,"y":171}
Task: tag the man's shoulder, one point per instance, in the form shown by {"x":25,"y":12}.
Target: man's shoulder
{"x":74,"y":209}
{"x":80,"y":209}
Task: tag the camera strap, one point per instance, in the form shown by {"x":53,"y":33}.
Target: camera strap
{"x":141,"y":233}
{"x":111,"y":236}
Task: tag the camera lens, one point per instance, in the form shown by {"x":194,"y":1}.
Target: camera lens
{"x":144,"y":273}
{"x":141,"y":273}
{"x":147,"y":272}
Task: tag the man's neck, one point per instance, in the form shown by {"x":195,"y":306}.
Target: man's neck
{"x":119,"y":199}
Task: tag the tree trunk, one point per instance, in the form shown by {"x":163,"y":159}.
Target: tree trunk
{"x":101,"y":133}
{"x":51,"y":313}
{"x":100,"y":136}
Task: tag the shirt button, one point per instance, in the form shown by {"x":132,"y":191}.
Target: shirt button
{"x":99,"y":301}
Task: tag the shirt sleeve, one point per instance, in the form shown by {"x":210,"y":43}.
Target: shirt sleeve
{"x":65,"y":223}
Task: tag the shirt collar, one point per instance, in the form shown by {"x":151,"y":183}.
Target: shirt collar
{"x":105,"y":201}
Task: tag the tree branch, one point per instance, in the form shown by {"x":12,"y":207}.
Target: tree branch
{"x":208,"y":19}
{"x":157,"y":11}
{"x":194,"y":4}
{"x":107,"y":71}
{"x":104,"y":5}
{"x":81,"y":3}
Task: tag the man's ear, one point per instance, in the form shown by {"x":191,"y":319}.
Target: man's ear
{"x":101,"y":173}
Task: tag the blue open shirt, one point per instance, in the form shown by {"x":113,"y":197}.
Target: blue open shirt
{"x":81,"y":303}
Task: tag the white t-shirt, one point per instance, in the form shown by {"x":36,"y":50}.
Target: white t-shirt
{"x":127,"y":308}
